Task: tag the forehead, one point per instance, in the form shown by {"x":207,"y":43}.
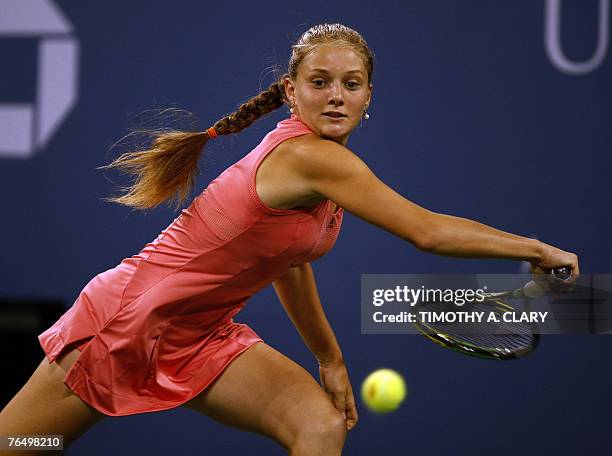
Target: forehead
{"x":334,"y":59}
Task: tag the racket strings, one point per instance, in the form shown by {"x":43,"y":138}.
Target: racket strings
{"x":497,"y":336}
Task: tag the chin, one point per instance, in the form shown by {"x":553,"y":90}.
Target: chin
{"x":336,"y":133}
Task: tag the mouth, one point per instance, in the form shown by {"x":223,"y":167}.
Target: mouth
{"x":334,"y":115}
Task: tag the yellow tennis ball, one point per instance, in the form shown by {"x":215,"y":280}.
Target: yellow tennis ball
{"x":383,"y":391}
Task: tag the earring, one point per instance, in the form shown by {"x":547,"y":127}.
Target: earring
{"x":366,"y":116}
{"x":291,"y":110}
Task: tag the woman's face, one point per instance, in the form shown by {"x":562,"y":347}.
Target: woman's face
{"x":331,"y":92}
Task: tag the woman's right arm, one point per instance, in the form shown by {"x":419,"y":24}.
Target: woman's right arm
{"x":331,"y":171}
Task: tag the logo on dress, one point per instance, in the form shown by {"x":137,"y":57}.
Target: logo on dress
{"x":331,"y":224}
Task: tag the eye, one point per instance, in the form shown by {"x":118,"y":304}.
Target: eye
{"x":318,"y":82}
{"x":352,"y":84}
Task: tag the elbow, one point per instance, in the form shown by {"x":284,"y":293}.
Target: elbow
{"x":427,"y":239}
{"x":425,"y":243}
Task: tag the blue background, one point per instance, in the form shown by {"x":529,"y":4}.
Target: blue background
{"x":469,"y":117}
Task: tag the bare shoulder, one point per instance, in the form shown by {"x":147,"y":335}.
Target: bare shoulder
{"x":314,"y":158}
{"x":293,"y":174}
{"x":279,"y":182}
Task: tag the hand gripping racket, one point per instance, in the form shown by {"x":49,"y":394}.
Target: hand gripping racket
{"x":502,"y":340}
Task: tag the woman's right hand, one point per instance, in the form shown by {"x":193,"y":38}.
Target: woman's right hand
{"x":550,"y":259}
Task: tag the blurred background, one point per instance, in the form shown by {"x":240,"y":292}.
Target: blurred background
{"x":496,"y":111}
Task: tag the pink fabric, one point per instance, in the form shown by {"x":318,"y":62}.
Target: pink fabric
{"x":157,"y":329}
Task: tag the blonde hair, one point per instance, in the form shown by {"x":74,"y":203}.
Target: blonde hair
{"x":166,"y":170}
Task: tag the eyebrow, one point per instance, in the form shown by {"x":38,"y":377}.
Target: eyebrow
{"x":322,"y":70}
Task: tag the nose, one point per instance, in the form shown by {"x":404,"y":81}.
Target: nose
{"x":335,"y":94}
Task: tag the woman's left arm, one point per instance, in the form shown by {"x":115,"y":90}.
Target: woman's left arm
{"x":297,"y":292}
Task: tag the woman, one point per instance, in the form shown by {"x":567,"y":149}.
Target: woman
{"x":157,"y":331}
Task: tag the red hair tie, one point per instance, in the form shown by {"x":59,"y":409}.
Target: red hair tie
{"x":212,"y":133}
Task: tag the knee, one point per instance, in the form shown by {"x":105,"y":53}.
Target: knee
{"x":325,"y":430}
{"x":334,"y":428}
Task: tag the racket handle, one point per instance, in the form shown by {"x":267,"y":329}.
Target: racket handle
{"x":532,"y":290}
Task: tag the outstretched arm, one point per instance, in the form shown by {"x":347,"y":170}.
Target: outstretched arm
{"x":330,"y":170}
{"x":297,"y":292}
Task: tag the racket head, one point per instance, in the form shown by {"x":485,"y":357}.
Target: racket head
{"x":505,"y":341}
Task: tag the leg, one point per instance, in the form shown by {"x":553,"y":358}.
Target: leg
{"x":46,"y":406}
{"x":265,"y":392}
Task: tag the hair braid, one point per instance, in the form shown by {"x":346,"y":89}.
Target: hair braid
{"x":258,"y":106}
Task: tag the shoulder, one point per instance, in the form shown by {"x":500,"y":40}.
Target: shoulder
{"x":311,"y":156}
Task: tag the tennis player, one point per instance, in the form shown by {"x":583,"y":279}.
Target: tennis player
{"x":157,"y":331}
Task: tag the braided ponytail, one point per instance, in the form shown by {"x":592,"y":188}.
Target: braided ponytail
{"x":260,"y":105}
{"x":167,"y":170}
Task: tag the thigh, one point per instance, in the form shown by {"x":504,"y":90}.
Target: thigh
{"x":45,"y":405}
{"x":265,"y":392}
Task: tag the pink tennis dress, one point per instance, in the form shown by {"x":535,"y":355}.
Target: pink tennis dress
{"x":157,"y":329}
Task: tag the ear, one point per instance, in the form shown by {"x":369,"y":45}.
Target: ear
{"x":369,"y":95}
{"x":289,"y":90}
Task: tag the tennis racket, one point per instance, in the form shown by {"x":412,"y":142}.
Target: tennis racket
{"x":502,"y":340}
